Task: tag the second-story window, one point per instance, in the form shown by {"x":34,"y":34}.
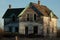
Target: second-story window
{"x":13,"y":19}
{"x":34,"y":17}
{"x":27,"y":17}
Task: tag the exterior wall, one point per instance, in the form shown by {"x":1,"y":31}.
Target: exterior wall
{"x":50,"y":25}
{"x":30,"y":26}
{"x":46,"y":24}
{"x":40,"y":29}
{"x":53,"y":25}
{"x":31,"y":14}
{"x":9,"y":23}
{"x":23,"y":22}
{"x":21,"y":28}
{"x":6,"y":21}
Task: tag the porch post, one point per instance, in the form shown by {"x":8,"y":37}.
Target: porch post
{"x":16,"y":37}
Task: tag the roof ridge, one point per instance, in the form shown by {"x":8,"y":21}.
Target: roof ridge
{"x":16,"y":8}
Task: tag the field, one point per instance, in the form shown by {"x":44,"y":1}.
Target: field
{"x":12,"y":36}
{"x":30,"y":38}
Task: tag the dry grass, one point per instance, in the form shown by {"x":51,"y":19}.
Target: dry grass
{"x":13,"y":38}
{"x":7,"y":36}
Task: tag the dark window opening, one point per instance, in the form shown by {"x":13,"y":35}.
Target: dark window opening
{"x":35,"y":29}
{"x":13,"y":19}
{"x":27,"y":17}
{"x":16,"y":29}
{"x":26,"y":31}
{"x":35,"y":17}
{"x":10,"y":29}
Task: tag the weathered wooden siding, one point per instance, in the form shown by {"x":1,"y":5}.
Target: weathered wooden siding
{"x":45,"y":23}
{"x":30,"y":26}
{"x":53,"y":25}
{"x":9,"y":23}
{"x":50,"y":24}
{"x":31,"y":13}
{"x":23,"y":21}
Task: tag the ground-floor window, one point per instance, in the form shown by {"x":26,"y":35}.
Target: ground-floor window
{"x":16,"y":29}
{"x":26,"y":30}
{"x":10,"y":29}
{"x":35,"y":29}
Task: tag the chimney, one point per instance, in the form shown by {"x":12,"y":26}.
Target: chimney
{"x":38,"y":2}
{"x":9,"y":6}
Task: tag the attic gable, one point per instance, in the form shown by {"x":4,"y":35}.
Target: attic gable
{"x":52,"y":15}
{"x":23,"y":11}
{"x":32,"y":7}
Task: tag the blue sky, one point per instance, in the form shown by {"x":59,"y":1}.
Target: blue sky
{"x":54,"y":5}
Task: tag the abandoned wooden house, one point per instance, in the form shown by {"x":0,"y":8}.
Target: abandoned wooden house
{"x":35,"y":19}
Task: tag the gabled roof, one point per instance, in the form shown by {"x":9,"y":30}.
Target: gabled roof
{"x":15,"y":11}
{"x":39,"y":9}
{"x":43,"y":9}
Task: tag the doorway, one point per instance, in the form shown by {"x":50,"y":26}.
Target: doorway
{"x":35,"y":29}
{"x":26,"y":30}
